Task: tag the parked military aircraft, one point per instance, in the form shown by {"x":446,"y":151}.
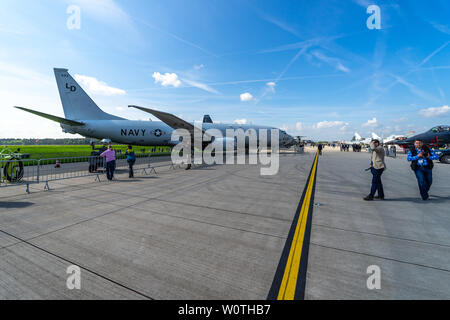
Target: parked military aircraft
{"x":392,"y":138}
{"x":436,"y":136}
{"x":83,"y":116}
{"x":357,"y":139}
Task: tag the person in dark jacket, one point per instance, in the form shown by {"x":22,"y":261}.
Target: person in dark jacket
{"x":320,"y":147}
{"x":421,"y":158}
{"x":131,"y":159}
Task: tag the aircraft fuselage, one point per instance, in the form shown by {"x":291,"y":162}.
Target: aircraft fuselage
{"x":154,"y":133}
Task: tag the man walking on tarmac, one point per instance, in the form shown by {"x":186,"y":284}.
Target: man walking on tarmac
{"x":320,"y":147}
{"x":421,"y":158}
{"x":377,"y":167}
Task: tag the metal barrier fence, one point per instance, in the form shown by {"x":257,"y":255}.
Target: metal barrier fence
{"x":30,"y":171}
{"x":15,"y":172}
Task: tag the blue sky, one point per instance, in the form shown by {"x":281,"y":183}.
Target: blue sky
{"x":311,"y":67}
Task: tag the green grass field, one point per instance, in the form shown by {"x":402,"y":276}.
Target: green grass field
{"x":64,"y":151}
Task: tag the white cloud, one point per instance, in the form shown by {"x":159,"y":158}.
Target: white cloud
{"x":167,"y":79}
{"x":299,"y":126}
{"x":371,"y":123}
{"x":434,"y":112}
{"x":171,"y":79}
{"x":271,"y":86}
{"x":94,"y":85}
{"x":20,"y":86}
{"x":329,"y":124}
{"x":246,"y":97}
{"x":201,"y":86}
{"x":198,"y":67}
{"x":241,"y":121}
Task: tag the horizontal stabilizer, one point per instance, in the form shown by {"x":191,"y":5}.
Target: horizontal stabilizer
{"x":54,"y":118}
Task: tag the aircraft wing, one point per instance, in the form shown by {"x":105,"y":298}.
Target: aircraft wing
{"x":172,"y":120}
{"x":53,"y":118}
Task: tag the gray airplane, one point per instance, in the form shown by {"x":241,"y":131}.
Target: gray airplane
{"x":83,"y":116}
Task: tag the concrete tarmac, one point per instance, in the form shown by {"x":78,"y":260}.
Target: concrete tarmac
{"x":406,"y":237}
{"x":217,"y":232}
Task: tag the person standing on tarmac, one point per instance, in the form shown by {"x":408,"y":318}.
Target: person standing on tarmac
{"x":110,"y":156}
{"x":131,"y":159}
{"x":320,"y":147}
{"x":377,"y":167}
{"x":421,"y":158}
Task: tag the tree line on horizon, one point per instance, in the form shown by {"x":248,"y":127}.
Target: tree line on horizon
{"x":46,"y":141}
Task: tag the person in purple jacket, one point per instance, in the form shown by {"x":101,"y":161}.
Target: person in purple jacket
{"x":110,"y":156}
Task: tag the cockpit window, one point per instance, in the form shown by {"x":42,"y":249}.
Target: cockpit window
{"x":440,"y":129}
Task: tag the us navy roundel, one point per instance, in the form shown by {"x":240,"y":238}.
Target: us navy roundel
{"x":158,"y":132}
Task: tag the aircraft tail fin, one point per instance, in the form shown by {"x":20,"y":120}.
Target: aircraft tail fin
{"x":76,"y":103}
{"x":375,"y":136}
{"x":207,"y":119}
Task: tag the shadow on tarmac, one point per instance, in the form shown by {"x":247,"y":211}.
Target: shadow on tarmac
{"x":11,"y":205}
{"x":432,"y":198}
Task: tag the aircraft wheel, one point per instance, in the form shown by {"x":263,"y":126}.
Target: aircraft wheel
{"x":13,"y":170}
{"x":445,"y":159}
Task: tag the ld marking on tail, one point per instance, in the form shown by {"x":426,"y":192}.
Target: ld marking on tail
{"x":71,"y":88}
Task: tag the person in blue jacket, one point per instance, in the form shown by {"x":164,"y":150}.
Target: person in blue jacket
{"x":421,"y":158}
{"x":131,"y":159}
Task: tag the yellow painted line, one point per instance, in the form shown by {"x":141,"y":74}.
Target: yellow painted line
{"x":290,"y":276}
